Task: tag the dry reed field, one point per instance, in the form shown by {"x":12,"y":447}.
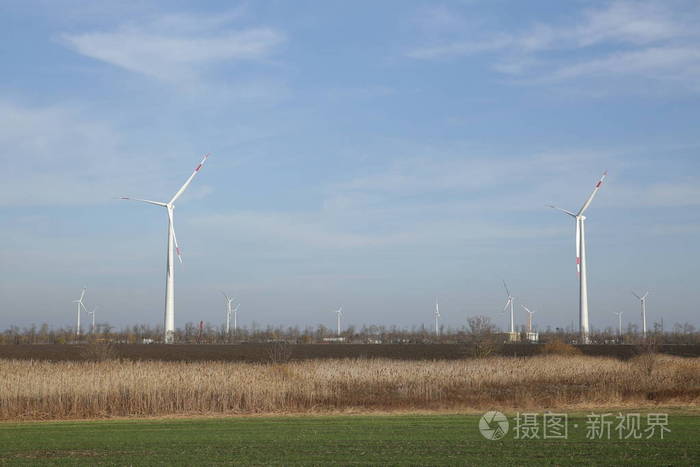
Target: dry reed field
{"x":70,"y":390}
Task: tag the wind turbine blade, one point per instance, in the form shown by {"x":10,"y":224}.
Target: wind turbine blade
{"x":507,"y":304}
{"x":224,"y":294}
{"x":638,"y":297}
{"x":189,"y":180}
{"x":172,"y":231}
{"x":82,"y":294}
{"x":578,"y":247}
{"x":644,"y":297}
{"x":562,"y":210}
{"x":595,"y":190}
{"x":157,"y":203}
{"x":83,"y":307}
{"x":507,"y":291}
{"x":526,"y":309}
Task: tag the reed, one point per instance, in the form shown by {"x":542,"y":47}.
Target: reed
{"x":98,"y":389}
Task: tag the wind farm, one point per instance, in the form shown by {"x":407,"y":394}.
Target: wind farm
{"x":372,"y":259}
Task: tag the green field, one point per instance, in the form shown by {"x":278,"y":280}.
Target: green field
{"x":323,"y":440}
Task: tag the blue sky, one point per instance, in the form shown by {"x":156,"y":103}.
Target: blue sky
{"x":372,"y":155}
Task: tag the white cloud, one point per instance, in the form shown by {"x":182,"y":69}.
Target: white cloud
{"x":61,"y":156}
{"x":459,"y":48}
{"x":681,"y":193}
{"x":635,"y":38}
{"x":632,"y":22}
{"x":176,"y":48}
{"x":655,"y":61}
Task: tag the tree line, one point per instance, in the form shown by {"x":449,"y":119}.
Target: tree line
{"x":477,"y":328}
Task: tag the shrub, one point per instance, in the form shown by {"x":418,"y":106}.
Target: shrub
{"x":99,"y":352}
{"x":559,"y":348}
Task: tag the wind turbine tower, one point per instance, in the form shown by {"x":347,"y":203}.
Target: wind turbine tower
{"x":436,"y":314}
{"x":169,"y":328}
{"x":229,"y":300}
{"x":529,"y":318}
{"x":338,"y":314}
{"x":80,"y":306}
{"x":619,"y":322}
{"x":92,"y":313}
{"x":581,"y":259}
{"x":643,"y":300}
{"x":509,"y":303}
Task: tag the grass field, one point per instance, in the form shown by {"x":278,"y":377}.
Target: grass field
{"x":345,"y":440}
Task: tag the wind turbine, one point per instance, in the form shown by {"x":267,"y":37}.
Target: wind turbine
{"x":235,"y":319}
{"x":338,"y":313}
{"x":93,"y":319}
{"x":509,"y":303}
{"x":581,"y":259}
{"x":529,"y":318}
{"x":229,"y":300}
{"x":643,"y":300}
{"x":436,"y":314}
{"x":80,"y":305}
{"x":619,"y":321}
{"x":169,"y":328}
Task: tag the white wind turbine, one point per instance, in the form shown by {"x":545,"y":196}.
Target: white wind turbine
{"x":509,"y":303}
{"x":643,"y":300}
{"x":80,"y":305}
{"x":338,"y":314}
{"x":436,"y":314}
{"x":619,"y":321}
{"x":92,"y":313}
{"x":529,"y":318}
{"x":229,"y":311}
{"x":169,"y":328}
{"x":581,"y":259}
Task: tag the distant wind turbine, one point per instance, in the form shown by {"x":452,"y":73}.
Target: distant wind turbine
{"x":338,"y":313}
{"x":509,"y":303}
{"x":529,"y":318}
{"x":581,"y":259}
{"x":436,"y":314}
{"x":229,"y":300}
{"x":169,"y":328}
{"x":643,"y":300}
{"x":80,"y":305}
{"x":92,"y":313}
{"x":619,"y":321}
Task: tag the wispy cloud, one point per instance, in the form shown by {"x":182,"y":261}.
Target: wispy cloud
{"x":177,"y":48}
{"x":58,"y":155}
{"x":644,"y":38}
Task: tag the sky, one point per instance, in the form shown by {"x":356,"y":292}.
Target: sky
{"x":369,"y":155}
